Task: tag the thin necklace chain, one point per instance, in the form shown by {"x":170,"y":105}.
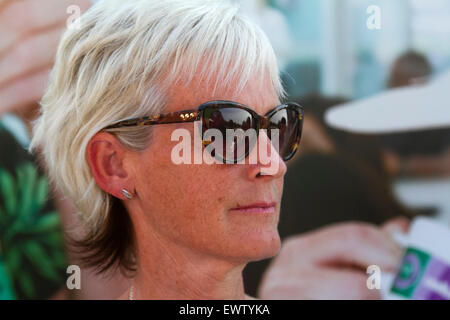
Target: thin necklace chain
{"x":131,"y":293}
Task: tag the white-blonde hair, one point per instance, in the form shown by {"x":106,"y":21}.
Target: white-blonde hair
{"x":121,"y":63}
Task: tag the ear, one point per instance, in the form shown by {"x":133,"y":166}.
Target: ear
{"x":106,"y":157}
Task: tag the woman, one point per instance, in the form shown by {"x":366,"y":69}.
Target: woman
{"x":183,"y":231}
{"x":137,"y":77}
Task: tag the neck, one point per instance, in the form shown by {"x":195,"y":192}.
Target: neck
{"x":171,"y":271}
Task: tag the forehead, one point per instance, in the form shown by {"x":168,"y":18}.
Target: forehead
{"x":259,"y":97}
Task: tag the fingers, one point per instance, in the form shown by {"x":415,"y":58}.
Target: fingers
{"x":20,"y":18}
{"x":30,"y":55}
{"x":354,"y":245}
{"x":319,"y":283}
{"x":330,"y":263}
{"x":24,"y":92}
{"x":3,"y":2}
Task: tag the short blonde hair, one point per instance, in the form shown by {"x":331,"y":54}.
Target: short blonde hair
{"x":121,"y":63}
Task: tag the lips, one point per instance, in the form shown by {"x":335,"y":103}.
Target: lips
{"x":257,"y":208}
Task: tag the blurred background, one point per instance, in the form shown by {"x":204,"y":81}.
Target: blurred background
{"x":325,"y":46}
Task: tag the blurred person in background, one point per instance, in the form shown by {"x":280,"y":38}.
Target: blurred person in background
{"x":419,"y":153}
{"x":33,"y":259}
{"x":336,"y":177}
{"x":408,"y":69}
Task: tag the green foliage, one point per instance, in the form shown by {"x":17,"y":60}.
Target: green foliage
{"x":30,"y":238}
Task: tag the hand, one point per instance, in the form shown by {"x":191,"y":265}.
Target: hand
{"x":29,"y":34}
{"x":331,"y":263}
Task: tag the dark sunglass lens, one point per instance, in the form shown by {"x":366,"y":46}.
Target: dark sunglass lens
{"x":288,"y":123}
{"x":234,"y":125}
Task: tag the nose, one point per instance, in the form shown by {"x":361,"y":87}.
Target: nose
{"x":269,"y":164}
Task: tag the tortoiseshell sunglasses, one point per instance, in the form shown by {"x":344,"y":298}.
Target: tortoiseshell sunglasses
{"x":224,"y":115}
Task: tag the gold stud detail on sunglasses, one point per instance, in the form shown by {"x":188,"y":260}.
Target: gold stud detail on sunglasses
{"x":206,"y":143}
{"x":187,"y":116}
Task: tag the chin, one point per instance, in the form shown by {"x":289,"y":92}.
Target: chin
{"x":262,"y":245}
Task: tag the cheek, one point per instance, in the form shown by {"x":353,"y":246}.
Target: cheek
{"x":175,"y":197}
{"x":190,"y":203}
{"x":187,"y":207}
{"x":189,"y":187}
{"x":187,"y":190}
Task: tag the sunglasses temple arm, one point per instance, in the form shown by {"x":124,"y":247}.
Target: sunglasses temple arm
{"x":179,"y":116}
{"x":173,"y":117}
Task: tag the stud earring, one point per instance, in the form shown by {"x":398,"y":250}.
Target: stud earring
{"x":127,"y":194}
